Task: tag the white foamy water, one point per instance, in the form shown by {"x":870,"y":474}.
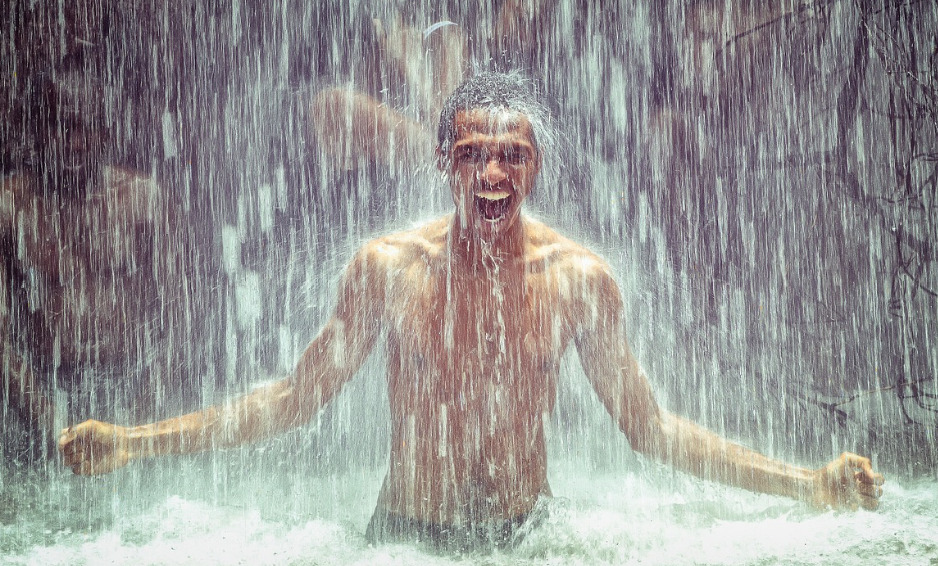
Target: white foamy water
{"x":176,"y":512}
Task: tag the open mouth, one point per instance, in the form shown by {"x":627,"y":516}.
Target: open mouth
{"x":493,"y":204}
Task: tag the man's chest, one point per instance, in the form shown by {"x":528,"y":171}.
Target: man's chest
{"x":498,"y":329}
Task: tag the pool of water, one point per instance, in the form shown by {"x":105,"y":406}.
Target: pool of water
{"x":257,"y":506}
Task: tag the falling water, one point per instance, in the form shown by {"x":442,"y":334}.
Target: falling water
{"x":761,"y":180}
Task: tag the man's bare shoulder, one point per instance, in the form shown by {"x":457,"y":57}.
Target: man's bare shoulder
{"x":426,"y":242}
{"x":547,"y":249}
{"x":577,"y":273}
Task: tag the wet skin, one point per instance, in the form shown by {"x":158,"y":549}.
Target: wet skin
{"x":478,"y":308}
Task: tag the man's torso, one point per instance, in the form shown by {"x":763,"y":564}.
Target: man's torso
{"x":473,"y":358}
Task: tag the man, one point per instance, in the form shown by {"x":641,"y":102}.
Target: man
{"x":92,"y":279}
{"x":477,"y":308}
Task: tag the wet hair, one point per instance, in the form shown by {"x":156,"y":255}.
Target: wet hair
{"x":496,"y":91}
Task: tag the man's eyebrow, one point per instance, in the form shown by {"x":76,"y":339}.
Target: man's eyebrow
{"x":517,"y":143}
{"x":514,"y":146}
{"x":520,"y":145}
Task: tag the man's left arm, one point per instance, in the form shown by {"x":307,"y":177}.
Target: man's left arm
{"x":848,"y":481}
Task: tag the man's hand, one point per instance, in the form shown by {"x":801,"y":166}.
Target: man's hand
{"x":94,"y":448}
{"x":848,"y":482}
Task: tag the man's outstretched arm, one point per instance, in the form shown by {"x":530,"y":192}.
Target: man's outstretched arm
{"x":331,"y":360}
{"x":848,"y":481}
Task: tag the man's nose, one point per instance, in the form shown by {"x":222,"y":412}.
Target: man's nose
{"x":493,"y":172}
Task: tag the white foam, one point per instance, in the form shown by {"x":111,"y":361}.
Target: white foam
{"x":602,"y":518}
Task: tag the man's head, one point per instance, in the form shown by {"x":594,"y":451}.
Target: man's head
{"x":490,"y":147}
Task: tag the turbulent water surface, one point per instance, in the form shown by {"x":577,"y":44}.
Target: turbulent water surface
{"x":275,"y":514}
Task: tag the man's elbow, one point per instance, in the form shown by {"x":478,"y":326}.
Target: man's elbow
{"x":645,"y":435}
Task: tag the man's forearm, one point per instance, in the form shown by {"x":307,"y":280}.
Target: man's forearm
{"x":256,"y":416}
{"x":694,"y":449}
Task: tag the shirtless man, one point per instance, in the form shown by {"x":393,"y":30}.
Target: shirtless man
{"x":90,"y":283}
{"x":477,"y":309}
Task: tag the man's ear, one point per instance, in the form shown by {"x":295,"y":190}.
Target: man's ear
{"x":441,"y":160}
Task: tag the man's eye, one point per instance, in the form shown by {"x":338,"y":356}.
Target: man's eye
{"x":471,"y":156}
{"x":515,"y":157}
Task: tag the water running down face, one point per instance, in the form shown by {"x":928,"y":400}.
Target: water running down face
{"x":493,"y":166}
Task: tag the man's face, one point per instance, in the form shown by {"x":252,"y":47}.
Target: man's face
{"x":493,"y":164}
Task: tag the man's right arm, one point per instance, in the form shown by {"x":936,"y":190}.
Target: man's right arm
{"x":330,"y":360}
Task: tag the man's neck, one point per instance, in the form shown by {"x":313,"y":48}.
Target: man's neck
{"x":472,"y":251}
